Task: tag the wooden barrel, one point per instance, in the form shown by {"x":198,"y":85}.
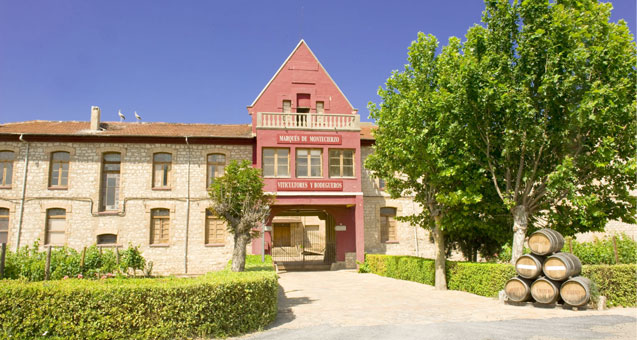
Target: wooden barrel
{"x":561,"y":266}
{"x":576,"y":291}
{"x":546,"y":291}
{"x":518,"y":289}
{"x":545,"y":242}
{"x":529,"y":266}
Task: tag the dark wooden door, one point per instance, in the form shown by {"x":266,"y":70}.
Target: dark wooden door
{"x":282,"y":235}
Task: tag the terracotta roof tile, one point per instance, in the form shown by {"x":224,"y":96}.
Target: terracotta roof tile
{"x":366,"y":130}
{"x":128,"y":129}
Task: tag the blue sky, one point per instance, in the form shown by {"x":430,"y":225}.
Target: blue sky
{"x":203,"y":61}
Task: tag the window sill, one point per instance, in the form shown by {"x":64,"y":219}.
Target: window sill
{"x":58,"y":188}
{"x":160,"y":245}
{"x":109,"y":213}
{"x":109,"y":245}
{"x":278,"y":177}
{"x":310,"y":177}
{"x":391,"y":242}
{"x":344,"y":177}
{"x":5,"y":187}
{"x":215,"y":245}
{"x":162,"y":189}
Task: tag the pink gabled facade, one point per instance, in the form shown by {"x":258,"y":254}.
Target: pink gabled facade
{"x":287,"y":116}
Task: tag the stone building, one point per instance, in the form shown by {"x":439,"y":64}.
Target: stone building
{"x":114,"y":183}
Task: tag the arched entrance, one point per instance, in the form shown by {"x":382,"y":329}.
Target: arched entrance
{"x":303,"y":239}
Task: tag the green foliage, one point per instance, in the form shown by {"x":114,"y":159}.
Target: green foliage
{"x":546,"y":93}
{"x":28,"y":262}
{"x":616,"y":282}
{"x":402,"y":267}
{"x":602,"y":251}
{"x":485,"y":279}
{"x":214,"y":305}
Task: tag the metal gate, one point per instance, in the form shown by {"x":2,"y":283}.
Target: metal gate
{"x":304,"y":247}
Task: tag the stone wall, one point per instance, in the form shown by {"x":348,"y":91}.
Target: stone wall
{"x":131,"y":223}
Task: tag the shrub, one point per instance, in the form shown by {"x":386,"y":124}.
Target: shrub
{"x":28,"y":262}
{"x":616,"y":282}
{"x":216,"y":304}
{"x":602,"y":251}
{"x":485,"y":279}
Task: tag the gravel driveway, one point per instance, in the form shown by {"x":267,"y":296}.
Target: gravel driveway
{"x":348,"y":305}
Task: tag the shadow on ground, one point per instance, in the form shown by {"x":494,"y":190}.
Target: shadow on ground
{"x":285,"y":313}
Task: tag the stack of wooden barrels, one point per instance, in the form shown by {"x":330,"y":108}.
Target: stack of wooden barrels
{"x":547,"y":275}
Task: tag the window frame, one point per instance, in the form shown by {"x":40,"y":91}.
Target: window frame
{"x":341,"y":166}
{"x":208,"y":241}
{"x":309,"y":162}
{"x":4,"y":172}
{"x":166,"y":172}
{"x":6,"y":216}
{"x":165,"y":224}
{"x":322,"y":106}
{"x":209,"y":179}
{"x":47,"y":226}
{"x":391,"y":223}
{"x":276,"y":162}
{"x":60,"y":170}
{"x":287,"y":109}
{"x":103,"y":188}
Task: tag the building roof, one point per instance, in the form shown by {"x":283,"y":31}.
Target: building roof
{"x":366,"y":130}
{"x":75,"y":128}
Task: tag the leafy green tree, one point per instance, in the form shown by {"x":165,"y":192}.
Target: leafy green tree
{"x":238,"y":198}
{"x":547,"y":96}
{"x":418,"y":150}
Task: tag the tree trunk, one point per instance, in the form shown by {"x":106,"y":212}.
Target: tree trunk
{"x":520,"y":221}
{"x":439,"y":239}
{"x":239,"y":252}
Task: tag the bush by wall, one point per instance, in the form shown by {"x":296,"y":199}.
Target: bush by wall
{"x":217,"y":304}
{"x":616,"y":282}
{"x":601,"y":251}
{"x":29,"y":261}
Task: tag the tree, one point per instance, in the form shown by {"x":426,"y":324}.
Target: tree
{"x":547,"y":99}
{"x":417,"y":149}
{"x":238,"y":198}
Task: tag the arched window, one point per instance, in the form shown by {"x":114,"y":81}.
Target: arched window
{"x":111,"y":164}
{"x":159,"y":226}
{"x":59,"y":169}
{"x":6,"y":168}
{"x":388,"y":224}
{"x":55,"y":233}
{"x":4,"y":225}
{"x":216,"y":166}
{"x":162,"y":163}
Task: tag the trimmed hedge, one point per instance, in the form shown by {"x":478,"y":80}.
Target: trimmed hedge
{"x":216,"y":304}
{"x":616,"y":282}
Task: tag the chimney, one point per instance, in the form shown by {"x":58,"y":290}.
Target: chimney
{"x":95,"y":118}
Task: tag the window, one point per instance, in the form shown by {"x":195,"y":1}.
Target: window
{"x":387,"y":224}
{"x":161,"y":169}
{"x":55,"y":227}
{"x":320,"y":107}
{"x":216,"y":166}
{"x":4,"y":225}
{"x":215,"y":229}
{"x":159,"y":226}
{"x":381,"y":184}
{"x":276,"y":162}
{"x":309,"y":162}
{"x":287,"y":106}
{"x":6,"y":168}
{"x":59,"y":170}
{"x":341,"y":163}
{"x":111,"y":164}
{"x":106,"y":239}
